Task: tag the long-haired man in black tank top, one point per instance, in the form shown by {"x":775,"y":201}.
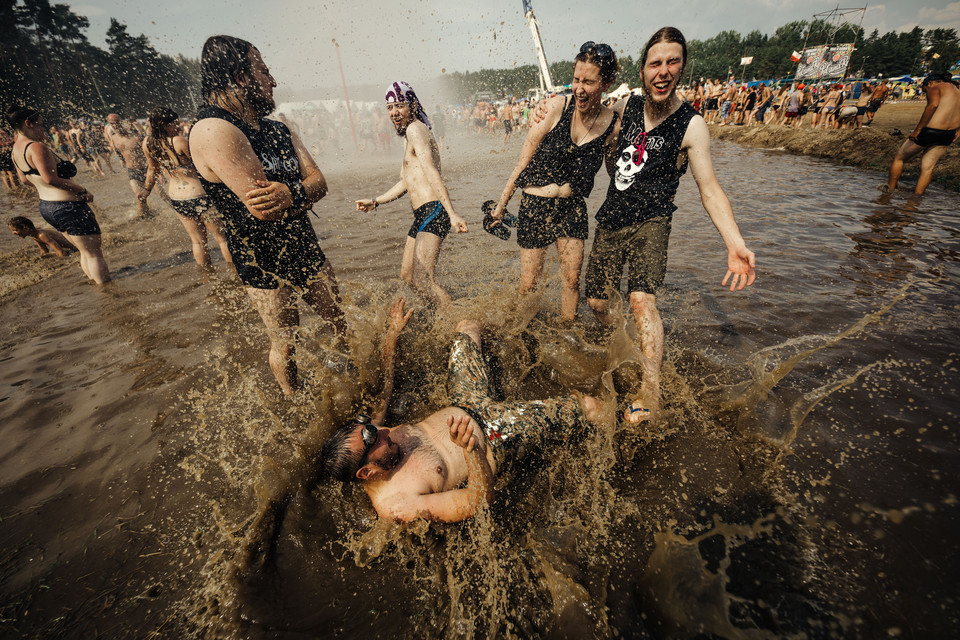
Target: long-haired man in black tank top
{"x":633,"y":224}
{"x":263,"y":181}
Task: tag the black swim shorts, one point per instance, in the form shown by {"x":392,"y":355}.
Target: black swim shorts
{"x":192,"y":208}
{"x":430,"y":218}
{"x":74,"y":218}
{"x":541,"y":221}
{"x":935,"y":137}
{"x":642,"y":247}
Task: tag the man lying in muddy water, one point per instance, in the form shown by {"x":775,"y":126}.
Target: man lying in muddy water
{"x":442,"y":468}
{"x":127,"y":142}
{"x":420,"y":176}
{"x":938,"y":128}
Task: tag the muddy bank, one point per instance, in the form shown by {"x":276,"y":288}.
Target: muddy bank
{"x":869,"y":147}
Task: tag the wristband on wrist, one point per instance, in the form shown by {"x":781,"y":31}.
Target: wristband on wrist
{"x":375,"y":203}
{"x":299,"y":194}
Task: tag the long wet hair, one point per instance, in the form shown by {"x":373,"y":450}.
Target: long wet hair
{"x":157,"y":145}
{"x":224,"y":60}
{"x":17,"y":116}
{"x":608,"y":65}
{"x":665,"y":34}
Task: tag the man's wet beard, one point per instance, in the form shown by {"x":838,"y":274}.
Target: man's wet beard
{"x":261,"y":104}
{"x":401,"y":128}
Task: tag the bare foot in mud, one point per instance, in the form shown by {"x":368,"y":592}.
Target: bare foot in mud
{"x":884,"y":188}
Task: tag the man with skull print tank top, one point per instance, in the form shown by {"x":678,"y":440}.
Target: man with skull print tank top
{"x":659,"y":135}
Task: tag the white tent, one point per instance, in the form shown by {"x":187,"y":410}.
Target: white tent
{"x":619,"y":92}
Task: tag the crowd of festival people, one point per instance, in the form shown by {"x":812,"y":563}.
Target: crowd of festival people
{"x":256,"y":175}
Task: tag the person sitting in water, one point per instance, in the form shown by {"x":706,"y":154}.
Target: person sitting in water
{"x":46,"y":239}
{"x":442,"y":467}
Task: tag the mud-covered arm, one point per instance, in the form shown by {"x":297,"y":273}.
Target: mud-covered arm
{"x":153,"y":167}
{"x":397,"y":321}
{"x":740,"y":261}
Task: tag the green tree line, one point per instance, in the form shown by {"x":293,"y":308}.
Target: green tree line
{"x":47,"y":62}
{"x":892,"y":54}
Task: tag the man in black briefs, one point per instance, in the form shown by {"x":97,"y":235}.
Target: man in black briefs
{"x":263,"y":182}
{"x":129,"y":145}
{"x":442,"y":467}
{"x":420,"y":176}
{"x":939,"y":127}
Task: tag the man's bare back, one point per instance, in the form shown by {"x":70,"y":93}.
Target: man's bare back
{"x":129,"y":146}
{"x":947,"y":97}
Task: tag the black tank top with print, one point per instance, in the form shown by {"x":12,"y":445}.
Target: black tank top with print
{"x":559,"y":161}
{"x":266,"y":253}
{"x":647,"y":175}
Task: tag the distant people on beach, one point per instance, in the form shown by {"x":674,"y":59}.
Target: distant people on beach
{"x":46,"y":239}
{"x":128,"y":144}
{"x":7,"y":172}
{"x":558,"y":164}
{"x":443,"y":467}
{"x":938,"y":128}
{"x":168,"y":152}
{"x":880,"y":93}
{"x":433,"y":213}
{"x":263,"y":182}
{"x":80,"y":142}
{"x":63,"y":202}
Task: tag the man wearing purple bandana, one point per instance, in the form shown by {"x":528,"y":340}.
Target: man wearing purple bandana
{"x":420,"y":177}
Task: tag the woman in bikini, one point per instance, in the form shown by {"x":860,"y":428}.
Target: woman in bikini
{"x":167,"y":150}
{"x":558,"y":163}
{"x":63,"y":202}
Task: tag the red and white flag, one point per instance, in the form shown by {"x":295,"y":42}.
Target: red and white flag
{"x":795,"y":56}
{"x":746,"y":60}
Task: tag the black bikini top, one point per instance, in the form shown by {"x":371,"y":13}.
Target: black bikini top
{"x":65,"y":168}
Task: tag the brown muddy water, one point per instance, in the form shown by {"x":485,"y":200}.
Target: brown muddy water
{"x":800,"y":483}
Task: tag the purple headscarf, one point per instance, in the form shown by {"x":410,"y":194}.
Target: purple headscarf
{"x":400,"y":91}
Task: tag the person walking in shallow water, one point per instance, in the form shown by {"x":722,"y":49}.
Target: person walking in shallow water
{"x":63,"y":202}
{"x":558,"y":164}
{"x":938,"y":128}
{"x":433,"y":213}
{"x":166,"y":150}
{"x":659,"y":134}
{"x":263,"y":181}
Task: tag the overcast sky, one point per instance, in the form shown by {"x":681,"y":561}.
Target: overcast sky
{"x":385,"y":40}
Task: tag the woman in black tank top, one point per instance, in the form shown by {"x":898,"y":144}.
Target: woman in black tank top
{"x":556,"y":170}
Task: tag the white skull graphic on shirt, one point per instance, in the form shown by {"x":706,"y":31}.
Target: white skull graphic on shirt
{"x":627,"y":169}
